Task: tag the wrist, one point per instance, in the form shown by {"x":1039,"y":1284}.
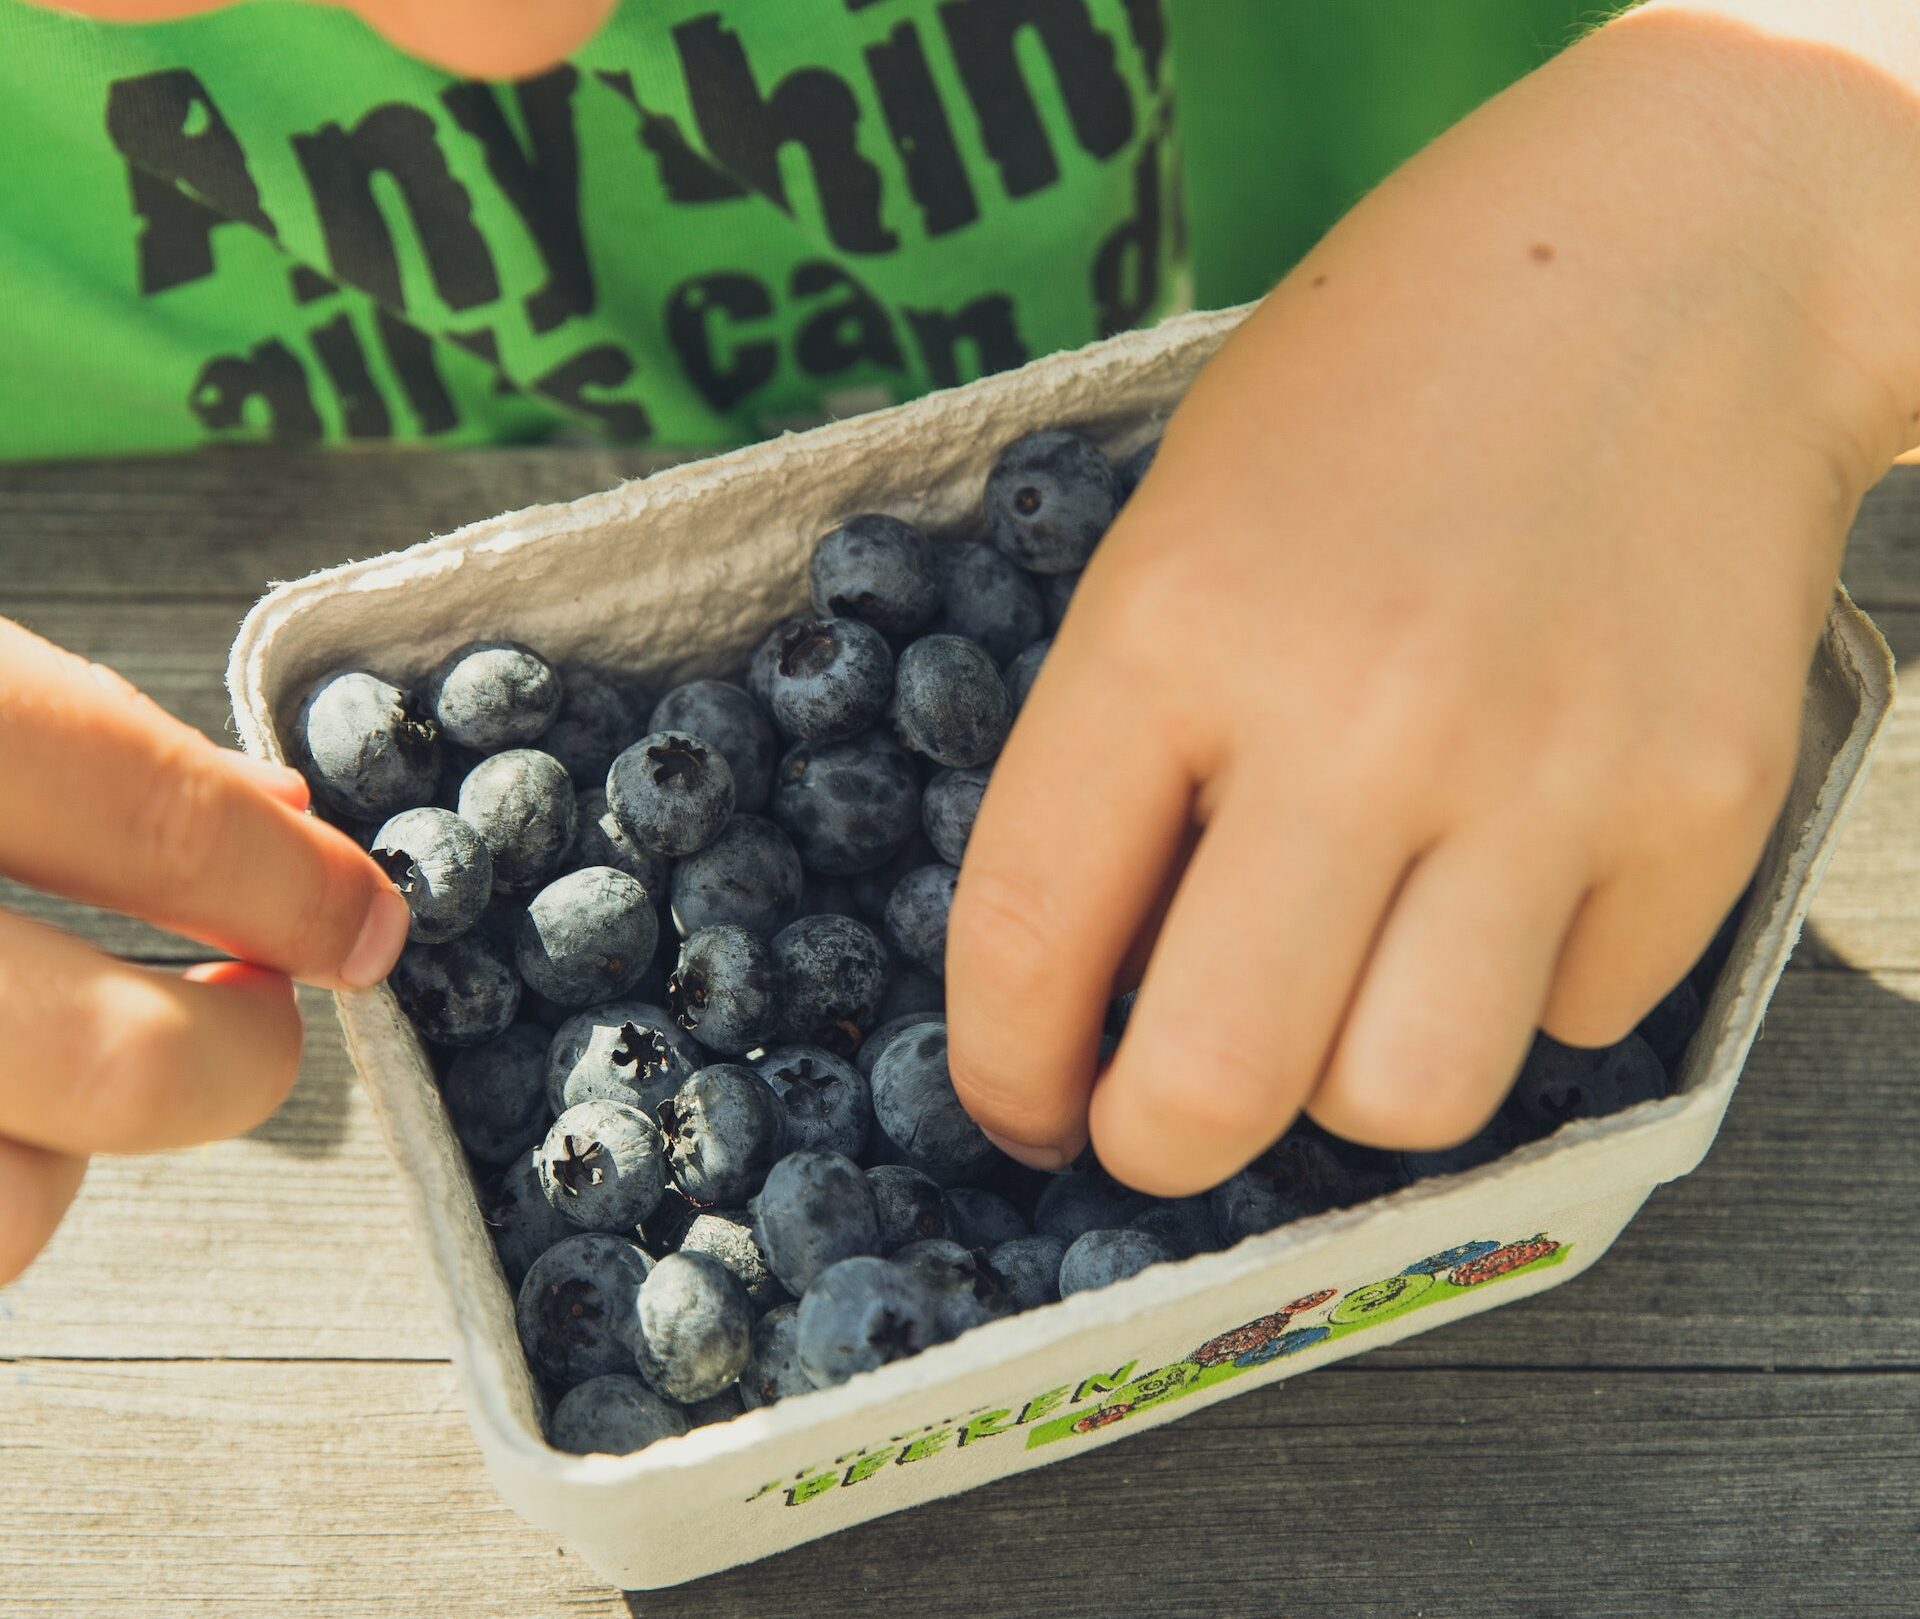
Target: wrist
{"x":1803,"y":123}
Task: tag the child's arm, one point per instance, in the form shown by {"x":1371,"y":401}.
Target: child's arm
{"x":106,"y":798}
{"x":1468,"y":603}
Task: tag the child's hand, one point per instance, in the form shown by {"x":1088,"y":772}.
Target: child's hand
{"x":484,"y":39}
{"x":108,"y":799}
{"x":1468,"y":606}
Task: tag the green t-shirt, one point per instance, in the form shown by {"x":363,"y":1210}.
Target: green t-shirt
{"x":721,"y":218}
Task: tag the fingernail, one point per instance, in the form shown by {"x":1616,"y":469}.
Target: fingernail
{"x":284,"y":782}
{"x":382,"y":937}
{"x":1032,"y":1157}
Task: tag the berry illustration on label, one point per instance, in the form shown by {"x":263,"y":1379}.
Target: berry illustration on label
{"x":1104,"y":1399}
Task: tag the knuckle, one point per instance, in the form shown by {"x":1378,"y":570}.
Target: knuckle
{"x":1013,"y":1103}
{"x":1216,"y":1091}
{"x":1411,"y":1105}
{"x":130,"y":1074}
{"x":181,"y":823}
{"x":1004,"y":939}
{"x":1729,"y":780}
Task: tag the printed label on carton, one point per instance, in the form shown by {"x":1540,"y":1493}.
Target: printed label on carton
{"x":1108,"y":1395}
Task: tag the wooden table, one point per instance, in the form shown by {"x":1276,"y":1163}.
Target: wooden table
{"x":224,"y":1389}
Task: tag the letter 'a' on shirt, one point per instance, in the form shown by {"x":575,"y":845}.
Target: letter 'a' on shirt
{"x":717,"y":221}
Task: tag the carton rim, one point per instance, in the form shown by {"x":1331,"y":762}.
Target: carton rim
{"x":1847,"y":635}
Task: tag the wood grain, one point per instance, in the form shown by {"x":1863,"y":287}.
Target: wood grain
{"x":222,"y":1390}
{"x":1791,"y":1246}
{"x":354,"y":1492}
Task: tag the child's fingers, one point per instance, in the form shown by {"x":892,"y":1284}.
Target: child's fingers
{"x":109,"y":799}
{"x":1085,"y":812}
{"x":1634,"y":939}
{"x":98,"y":1055}
{"x":1245,"y":990}
{"x":36,"y":1189}
{"x":1451,"y":994}
{"x":487,"y":39}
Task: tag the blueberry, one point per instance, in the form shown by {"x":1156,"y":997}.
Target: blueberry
{"x":1559,"y":1082}
{"x":574,"y":1304}
{"x":1076,"y":1201}
{"x":872,"y":889}
{"x":748,"y":877}
{"x":461,"y":993}
{"x":730,"y":722}
{"x":671,"y":792}
{"x":917,"y":1109}
{"x":727,"y":1235}
{"x":829,"y":1106}
{"x":911,"y":993}
{"x":884,"y":1034}
{"x":1705,"y":972}
{"x":1021,"y":672}
{"x":615,"y":1415}
{"x":496,"y":1095}
{"x":604,"y":1165}
{"x":773,"y":1367}
{"x":983,"y":1219}
{"x":365,"y":747}
{"x":523,"y":1223}
{"x":1030,"y":1269}
{"x":1495,"y":1139}
{"x":693,"y":1328}
{"x":877,"y":569}
{"x":456,"y":764}
{"x":917,"y":916}
{"x":586,"y":937}
{"x":1274,"y":1190}
{"x":831,"y":681}
{"x":765,"y":659}
{"x":833,"y":971}
{"x":1050,"y":496}
{"x":721,"y":1407}
{"x":442,"y":869}
{"x":911,"y":1207}
{"x":600,"y":840}
{"x":1132,"y":468}
{"x":625,"y":1051}
{"x":1101,"y":1258}
{"x":726,"y":1127}
{"x":1670,"y":1026}
{"x":1056,"y":591}
{"x":1184,"y":1224}
{"x":521,"y":802}
{"x":1364,"y":1172}
{"x":848,"y":806}
{"x":829,"y":896}
{"x":948,"y":808}
{"x":490,"y":695}
{"x":814,"y":1209}
{"x":950,"y":702}
{"x":595,"y":722}
{"x":727,"y":990}
{"x":862,"y":1313}
{"x":967,"y":1291}
{"x":988,"y":599}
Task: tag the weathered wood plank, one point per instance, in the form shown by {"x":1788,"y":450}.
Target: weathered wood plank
{"x":225,"y":525}
{"x":1883,"y":554}
{"x":1788,"y":1247}
{"x":1867,"y":914}
{"x":243,"y":1489}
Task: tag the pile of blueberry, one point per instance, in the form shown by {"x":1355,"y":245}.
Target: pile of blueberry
{"x":732,"y":1167}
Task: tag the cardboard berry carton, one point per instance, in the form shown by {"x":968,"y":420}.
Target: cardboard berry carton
{"x":679,"y":576}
